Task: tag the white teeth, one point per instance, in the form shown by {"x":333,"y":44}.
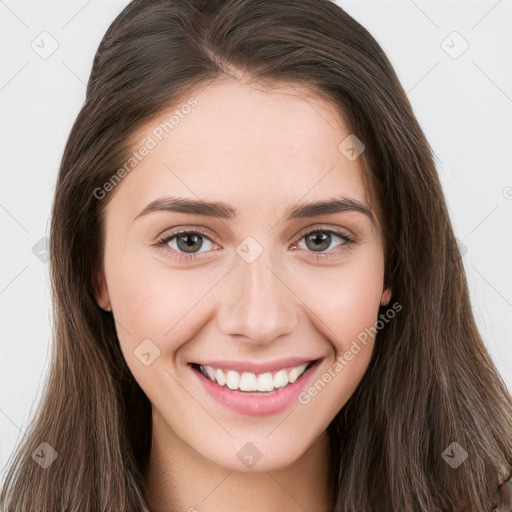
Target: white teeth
{"x":280,"y":379}
{"x":301,"y":369}
{"x":232,"y":379}
{"x":249,"y":381}
{"x":265,"y":382}
{"x":219,"y":376}
{"x":292,"y":376}
{"x":210,"y":371}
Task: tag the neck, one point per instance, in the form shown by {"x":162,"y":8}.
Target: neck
{"x":180,"y":479}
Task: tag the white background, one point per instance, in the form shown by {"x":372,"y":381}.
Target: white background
{"x":464,"y":105}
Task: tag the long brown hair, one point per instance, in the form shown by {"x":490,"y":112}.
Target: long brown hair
{"x":430,"y":382}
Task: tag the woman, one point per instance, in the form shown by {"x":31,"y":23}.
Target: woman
{"x":320,"y":355}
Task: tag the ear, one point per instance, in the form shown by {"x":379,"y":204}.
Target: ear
{"x":100,"y":290}
{"x":386,"y":297}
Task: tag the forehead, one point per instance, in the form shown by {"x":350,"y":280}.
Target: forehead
{"x":245,"y":144}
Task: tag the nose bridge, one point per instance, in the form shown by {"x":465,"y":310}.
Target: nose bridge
{"x":255,"y":301}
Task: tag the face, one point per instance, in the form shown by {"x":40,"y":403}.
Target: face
{"x":252,"y":291}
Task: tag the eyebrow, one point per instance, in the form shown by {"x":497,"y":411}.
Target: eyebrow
{"x":224,"y":211}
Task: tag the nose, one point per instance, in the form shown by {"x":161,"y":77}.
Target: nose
{"x":256,"y":302}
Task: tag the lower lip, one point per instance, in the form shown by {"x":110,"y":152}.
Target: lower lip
{"x":257,"y":405}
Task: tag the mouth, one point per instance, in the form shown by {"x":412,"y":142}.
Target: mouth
{"x":254,"y":383}
{"x":256,"y":389}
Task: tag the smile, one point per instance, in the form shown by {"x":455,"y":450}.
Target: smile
{"x":251,"y":382}
{"x":268,"y":389}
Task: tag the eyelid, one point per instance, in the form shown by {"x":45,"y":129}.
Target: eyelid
{"x":338,"y":231}
{"x":163,"y":239}
{"x":170,"y":233}
{"x":305,"y":231}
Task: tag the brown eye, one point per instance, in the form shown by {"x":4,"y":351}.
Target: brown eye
{"x":186,"y":244}
{"x":189,"y":242}
{"x":318,"y":241}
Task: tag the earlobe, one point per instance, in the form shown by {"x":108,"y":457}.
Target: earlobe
{"x":100,"y":290}
{"x":386,"y":297}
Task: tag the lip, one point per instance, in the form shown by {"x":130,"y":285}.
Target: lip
{"x":251,"y":366}
{"x":263,"y":404}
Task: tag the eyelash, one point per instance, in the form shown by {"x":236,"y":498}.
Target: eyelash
{"x":162,"y":242}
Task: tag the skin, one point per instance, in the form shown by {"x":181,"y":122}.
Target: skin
{"x":260,"y":151}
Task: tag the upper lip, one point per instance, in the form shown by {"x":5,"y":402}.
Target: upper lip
{"x":248,"y":366}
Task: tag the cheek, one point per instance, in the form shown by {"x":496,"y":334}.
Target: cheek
{"x":152,"y":301}
{"x":347,"y":311}
{"x":151,"y":307}
{"x":346,"y":298}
